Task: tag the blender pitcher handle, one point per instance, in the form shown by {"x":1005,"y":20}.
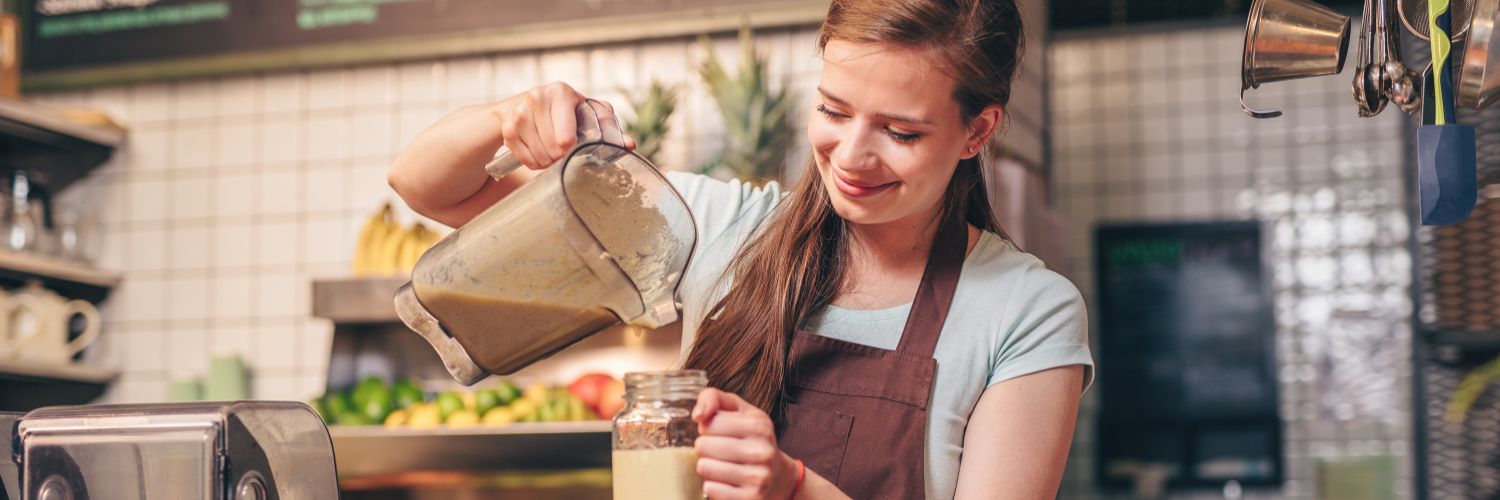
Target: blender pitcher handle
{"x":591,"y":128}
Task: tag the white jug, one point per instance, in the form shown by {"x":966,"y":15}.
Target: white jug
{"x":37,"y":325}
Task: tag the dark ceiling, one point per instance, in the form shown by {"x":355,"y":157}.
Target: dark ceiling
{"x":1081,"y":14}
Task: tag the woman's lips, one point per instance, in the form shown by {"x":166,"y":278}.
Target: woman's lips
{"x":859,"y":190}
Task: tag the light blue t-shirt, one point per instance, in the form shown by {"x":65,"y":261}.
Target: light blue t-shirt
{"x":1010,"y":316}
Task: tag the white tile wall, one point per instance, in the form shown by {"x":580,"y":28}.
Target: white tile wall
{"x":233,"y":193}
{"x":1147,"y":129}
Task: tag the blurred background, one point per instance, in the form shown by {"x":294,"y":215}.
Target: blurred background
{"x":207,"y":179}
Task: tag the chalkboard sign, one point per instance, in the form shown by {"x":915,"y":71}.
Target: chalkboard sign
{"x":1187,"y":354}
{"x":63,"y":35}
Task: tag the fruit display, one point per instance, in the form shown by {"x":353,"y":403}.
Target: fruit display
{"x":384,"y":247}
{"x":404,"y":405}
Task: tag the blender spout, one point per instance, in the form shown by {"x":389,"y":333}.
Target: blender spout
{"x":661,"y":313}
{"x":458,"y":362}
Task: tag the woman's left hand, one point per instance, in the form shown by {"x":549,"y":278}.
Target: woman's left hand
{"x":737,"y":453}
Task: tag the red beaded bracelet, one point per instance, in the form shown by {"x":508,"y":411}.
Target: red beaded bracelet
{"x":801,"y":473}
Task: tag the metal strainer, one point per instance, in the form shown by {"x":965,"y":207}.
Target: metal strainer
{"x":1414,"y":16}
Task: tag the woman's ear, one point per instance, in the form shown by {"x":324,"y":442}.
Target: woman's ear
{"x":982,"y":127}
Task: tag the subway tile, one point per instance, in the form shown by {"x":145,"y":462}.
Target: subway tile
{"x":149,"y":149}
{"x":280,"y":141}
{"x":188,"y":298}
{"x":323,"y":240}
{"x":316,"y":338}
{"x":187,"y":352}
{"x":234,"y":246}
{"x":277,"y":244}
{"x":238,"y":96}
{"x":232,"y":296}
{"x":325,"y":138}
{"x":514,"y":73}
{"x":371,"y":134}
{"x":421,"y":81}
{"x":468,"y":79}
{"x":233,"y":341}
{"x":374,"y":85}
{"x":323,"y":190}
{"x":189,"y":248}
{"x":612,"y":67}
{"x":196,"y":99}
{"x":276,"y":388}
{"x":277,"y":347}
{"x":145,"y":351}
{"x":567,"y":66}
{"x":190,"y":198}
{"x":235,"y":144}
{"x":193,"y":147}
{"x":279,"y":192}
{"x":276,"y":294}
{"x":281,"y":93}
{"x":236,"y":193}
{"x":152,"y":102}
{"x":366,"y":186}
{"x":329,"y":89}
{"x":147,"y":250}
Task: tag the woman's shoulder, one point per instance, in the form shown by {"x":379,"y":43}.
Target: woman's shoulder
{"x":997,"y":269}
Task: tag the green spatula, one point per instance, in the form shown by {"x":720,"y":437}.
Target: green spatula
{"x":1446,"y":180}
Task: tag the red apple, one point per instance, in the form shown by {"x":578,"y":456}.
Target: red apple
{"x":588,"y":388}
{"x":611,"y":399}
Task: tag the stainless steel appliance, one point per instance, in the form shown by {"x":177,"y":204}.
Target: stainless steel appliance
{"x":230,"y":450}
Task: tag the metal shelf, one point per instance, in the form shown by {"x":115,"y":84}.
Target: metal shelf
{"x":375,"y":450}
{"x":28,"y":386}
{"x":357,"y":300}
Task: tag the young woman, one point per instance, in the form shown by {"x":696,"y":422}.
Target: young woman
{"x":870,"y":333}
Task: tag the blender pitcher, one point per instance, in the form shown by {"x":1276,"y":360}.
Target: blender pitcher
{"x":597,"y":238}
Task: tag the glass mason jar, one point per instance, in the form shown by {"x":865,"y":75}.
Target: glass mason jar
{"x":653,"y":437}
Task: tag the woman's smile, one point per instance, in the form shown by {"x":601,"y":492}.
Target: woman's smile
{"x":860,"y":189}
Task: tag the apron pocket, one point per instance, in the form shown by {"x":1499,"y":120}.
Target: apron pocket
{"x":817,"y":437}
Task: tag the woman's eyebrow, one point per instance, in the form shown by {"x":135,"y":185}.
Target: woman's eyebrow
{"x":888,"y":116}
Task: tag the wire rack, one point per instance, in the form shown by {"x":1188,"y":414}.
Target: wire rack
{"x":1458,"y":297}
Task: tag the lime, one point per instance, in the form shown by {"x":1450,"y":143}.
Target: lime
{"x":449,"y":402}
{"x":367,"y":389}
{"x":377,"y":406}
{"x":405,"y":394}
{"x":334,"y":404}
{"x":508,"y":392}
{"x":353,"y":418}
{"x":485,"y":399}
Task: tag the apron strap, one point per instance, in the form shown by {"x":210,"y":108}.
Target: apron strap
{"x":935,"y":293}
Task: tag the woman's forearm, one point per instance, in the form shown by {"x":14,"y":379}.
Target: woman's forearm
{"x":444,"y":165}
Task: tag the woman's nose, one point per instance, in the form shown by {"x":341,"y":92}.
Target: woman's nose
{"x":855,"y":150}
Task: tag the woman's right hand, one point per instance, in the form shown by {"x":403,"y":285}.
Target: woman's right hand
{"x":441,"y":172}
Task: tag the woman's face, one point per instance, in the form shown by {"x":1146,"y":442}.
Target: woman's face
{"x":887,"y":133}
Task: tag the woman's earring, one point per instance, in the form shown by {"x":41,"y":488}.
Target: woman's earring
{"x":971,"y":150}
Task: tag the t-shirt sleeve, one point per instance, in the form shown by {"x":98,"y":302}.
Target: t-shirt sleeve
{"x":717,"y":206}
{"x":1048,"y":328}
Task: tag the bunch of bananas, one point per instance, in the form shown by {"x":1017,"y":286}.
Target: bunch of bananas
{"x":1468,"y":391}
{"x":386,"y":248}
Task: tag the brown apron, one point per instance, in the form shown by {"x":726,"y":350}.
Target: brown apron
{"x":857,"y":415}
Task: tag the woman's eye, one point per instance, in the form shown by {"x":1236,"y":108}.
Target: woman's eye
{"x":900,"y":137}
{"x":824,"y":109}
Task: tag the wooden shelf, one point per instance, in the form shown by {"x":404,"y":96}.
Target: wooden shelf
{"x":70,"y":278}
{"x":375,"y":450}
{"x":28,"y":386}
{"x":57,"y":146}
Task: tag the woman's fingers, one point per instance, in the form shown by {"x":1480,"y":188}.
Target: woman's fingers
{"x":732,"y":473}
{"x":739,"y":425}
{"x":715,"y":490}
{"x":737,"y":450}
{"x":707,"y":406}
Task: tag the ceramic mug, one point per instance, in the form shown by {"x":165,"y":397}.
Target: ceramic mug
{"x":37,"y":324}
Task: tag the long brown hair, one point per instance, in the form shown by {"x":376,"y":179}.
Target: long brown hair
{"x":794,"y":264}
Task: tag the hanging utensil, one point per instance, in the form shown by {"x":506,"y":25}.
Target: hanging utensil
{"x":1446,"y":179}
{"x":1399,"y":82}
{"x":1290,"y":39}
{"x":1414,"y":16}
{"x":1479,"y":81}
{"x":1367,"y":88}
